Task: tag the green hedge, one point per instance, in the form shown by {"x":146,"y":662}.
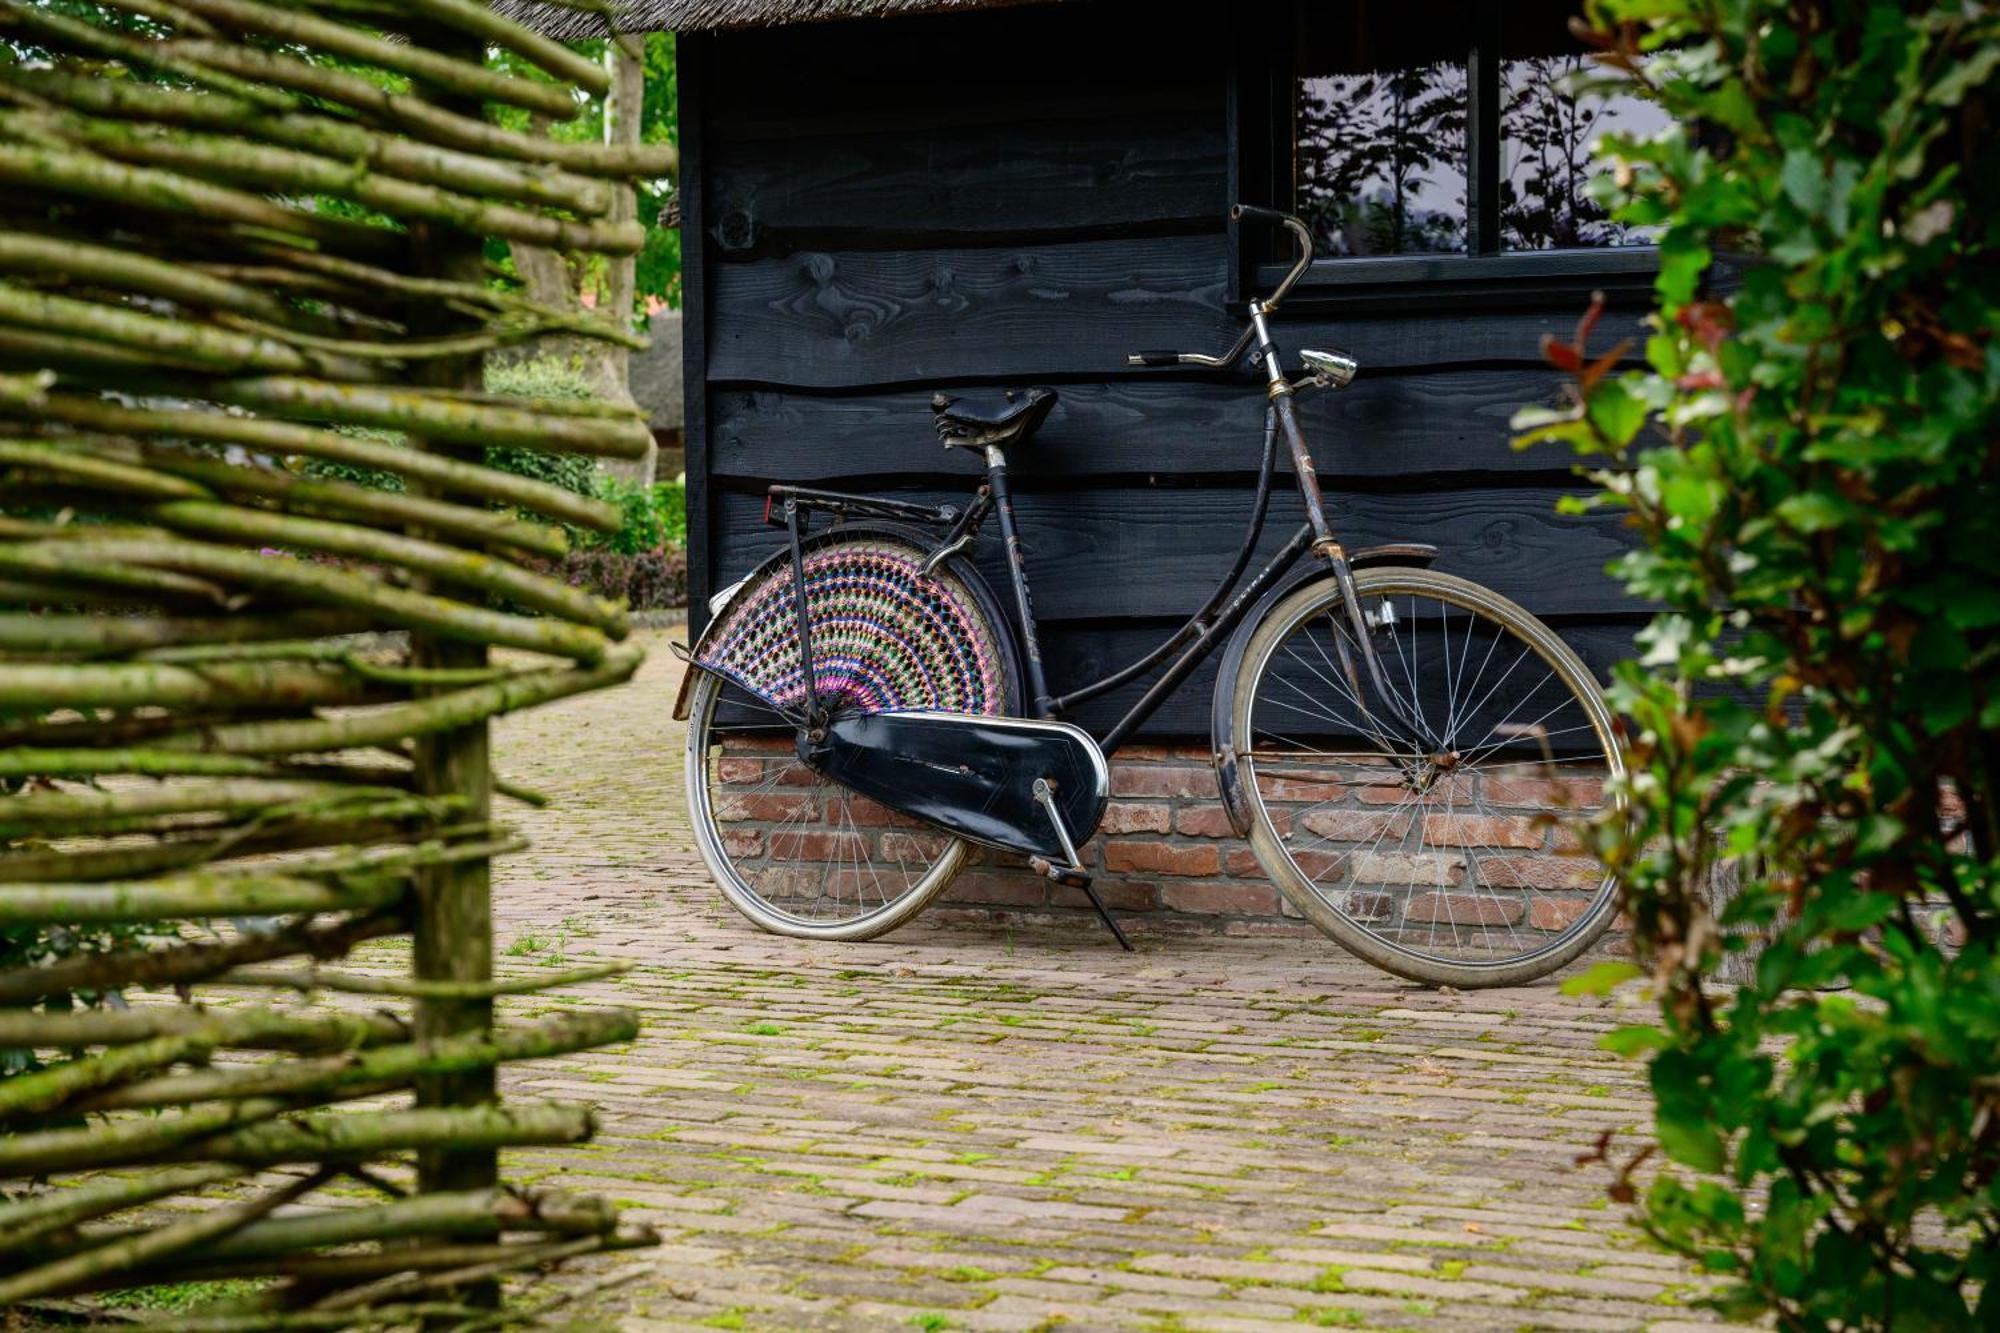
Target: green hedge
{"x":1811,"y":459}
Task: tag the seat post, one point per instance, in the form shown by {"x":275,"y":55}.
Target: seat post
{"x":1017,"y":572}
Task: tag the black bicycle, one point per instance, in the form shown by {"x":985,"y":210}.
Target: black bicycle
{"x":1401,"y":747}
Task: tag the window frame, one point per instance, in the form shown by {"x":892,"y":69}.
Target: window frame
{"x":1270,"y":42}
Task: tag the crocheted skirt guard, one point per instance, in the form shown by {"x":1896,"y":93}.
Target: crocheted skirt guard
{"x":884,"y":637}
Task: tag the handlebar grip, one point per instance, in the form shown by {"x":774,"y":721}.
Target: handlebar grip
{"x":1252,"y":213}
{"x":1153,"y":359}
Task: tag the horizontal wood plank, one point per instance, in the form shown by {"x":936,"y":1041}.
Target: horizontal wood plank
{"x":1076,"y":654}
{"x":1122,"y":553}
{"x":1436,"y":424}
{"x":834,"y":318}
{"x":848,"y":319}
{"x":993,"y":68}
{"x":888,"y":186}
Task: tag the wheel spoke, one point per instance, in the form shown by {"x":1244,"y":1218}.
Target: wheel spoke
{"x":1409,"y":850}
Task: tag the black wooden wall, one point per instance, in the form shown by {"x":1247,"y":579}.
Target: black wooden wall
{"x":878,"y":209}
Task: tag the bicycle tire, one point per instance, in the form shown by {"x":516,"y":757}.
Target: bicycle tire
{"x":845,"y":846}
{"x":1333,"y":910}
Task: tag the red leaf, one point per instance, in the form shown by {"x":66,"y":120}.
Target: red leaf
{"x":1561,"y":355}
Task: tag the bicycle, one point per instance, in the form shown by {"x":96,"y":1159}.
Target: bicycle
{"x":1397,"y":774}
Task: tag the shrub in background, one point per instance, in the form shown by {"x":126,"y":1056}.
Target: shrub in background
{"x":642,"y":561}
{"x":1811,"y":463}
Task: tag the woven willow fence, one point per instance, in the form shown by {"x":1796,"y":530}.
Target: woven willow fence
{"x":231,"y":233}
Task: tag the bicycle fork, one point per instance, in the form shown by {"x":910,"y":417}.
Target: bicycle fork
{"x":1327,"y":546}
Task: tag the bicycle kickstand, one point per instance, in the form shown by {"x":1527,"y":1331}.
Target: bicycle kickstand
{"x":1073,"y":875}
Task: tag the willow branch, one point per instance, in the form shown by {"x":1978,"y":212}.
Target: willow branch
{"x":133,"y":685}
{"x":417,"y":718}
{"x":313,"y":979}
{"x":311,"y":583}
{"x":285,"y":438}
{"x":390,"y":1065}
{"x":66,"y":171}
{"x":446,"y":417}
{"x":419,"y":117}
{"x":248,"y":1029}
{"x":80,"y":261}
{"x":466,"y":569}
{"x":456,"y":76}
{"x":388,"y":153}
{"x":346,"y":498}
{"x":150,"y":1246}
{"x":24,"y":1221}
{"x":44,"y":27}
{"x":259,"y":166}
{"x":180,"y":340}
{"x":186,"y":964}
{"x":189,"y":896}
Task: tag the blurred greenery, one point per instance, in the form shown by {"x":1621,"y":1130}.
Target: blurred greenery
{"x":659,"y":264}
{"x":655,"y":517}
{"x":1810,"y":459}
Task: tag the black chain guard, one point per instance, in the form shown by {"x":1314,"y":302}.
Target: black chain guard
{"x":972,"y":775}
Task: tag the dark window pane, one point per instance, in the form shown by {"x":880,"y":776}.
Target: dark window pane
{"x":1380,"y":120}
{"x":1546,"y":136}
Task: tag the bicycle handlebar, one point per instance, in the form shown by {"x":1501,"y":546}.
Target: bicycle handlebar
{"x":1243,"y":213}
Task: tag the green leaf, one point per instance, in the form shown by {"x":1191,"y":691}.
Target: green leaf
{"x":1601,"y":978}
{"x":1634,"y":1039}
{"x":1691,"y":1142}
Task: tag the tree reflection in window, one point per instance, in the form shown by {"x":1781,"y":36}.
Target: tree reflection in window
{"x":1381,"y":160}
{"x":1546,"y":135}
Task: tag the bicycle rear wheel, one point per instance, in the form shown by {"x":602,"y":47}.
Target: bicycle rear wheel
{"x":1428,"y":838}
{"x":793,"y":851}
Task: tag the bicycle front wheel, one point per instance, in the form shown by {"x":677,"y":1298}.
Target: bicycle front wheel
{"x":1428,"y":832}
{"x":793,"y":851}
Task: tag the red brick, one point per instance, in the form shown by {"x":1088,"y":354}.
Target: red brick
{"x":822,"y":845}
{"x":1159,"y":858}
{"x":1395,"y":795}
{"x":1460,"y":910}
{"x":1298,"y":789}
{"x":1355,"y":825}
{"x":1241,"y":862}
{"x":1120,"y":895}
{"x":1556,"y":913}
{"x":743,"y":842}
{"x":998,"y":888}
{"x":1481,"y":831}
{"x":1544,"y":793}
{"x":1549,"y":871}
{"x":912,"y":848}
{"x":1434,"y":868}
{"x":1204,"y":821}
{"x":739,"y":770}
{"x":1220,"y":897}
{"x":868,"y":814}
{"x":1184,"y":780}
{"x":737,"y":807}
{"x":1135,"y":817}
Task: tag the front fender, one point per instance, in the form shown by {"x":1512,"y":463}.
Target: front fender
{"x":1222,"y":720}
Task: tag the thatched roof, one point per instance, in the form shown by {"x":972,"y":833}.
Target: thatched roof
{"x":567,"y":24}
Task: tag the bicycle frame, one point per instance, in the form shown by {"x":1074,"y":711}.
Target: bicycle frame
{"x":1210,"y":626}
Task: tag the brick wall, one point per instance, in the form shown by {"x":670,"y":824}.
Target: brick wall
{"x":1167,"y":859}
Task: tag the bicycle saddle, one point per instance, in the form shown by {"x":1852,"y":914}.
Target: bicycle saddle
{"x":970,"y":428}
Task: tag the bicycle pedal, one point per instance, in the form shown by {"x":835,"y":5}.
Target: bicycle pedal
{"x":1070,"y":877}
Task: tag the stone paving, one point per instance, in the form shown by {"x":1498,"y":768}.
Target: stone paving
{"x":980,"y":1124}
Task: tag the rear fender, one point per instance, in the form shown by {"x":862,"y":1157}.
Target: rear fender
{"x":1222,"y":721}
{"x":915,"y":538}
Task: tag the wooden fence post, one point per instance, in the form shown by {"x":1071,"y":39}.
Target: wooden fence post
{"x":453,"y":928}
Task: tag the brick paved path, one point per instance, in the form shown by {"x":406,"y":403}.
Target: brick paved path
{"x":982,"y":1125}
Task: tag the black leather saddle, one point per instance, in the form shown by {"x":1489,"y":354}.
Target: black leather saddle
{"x":970,"y":428}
